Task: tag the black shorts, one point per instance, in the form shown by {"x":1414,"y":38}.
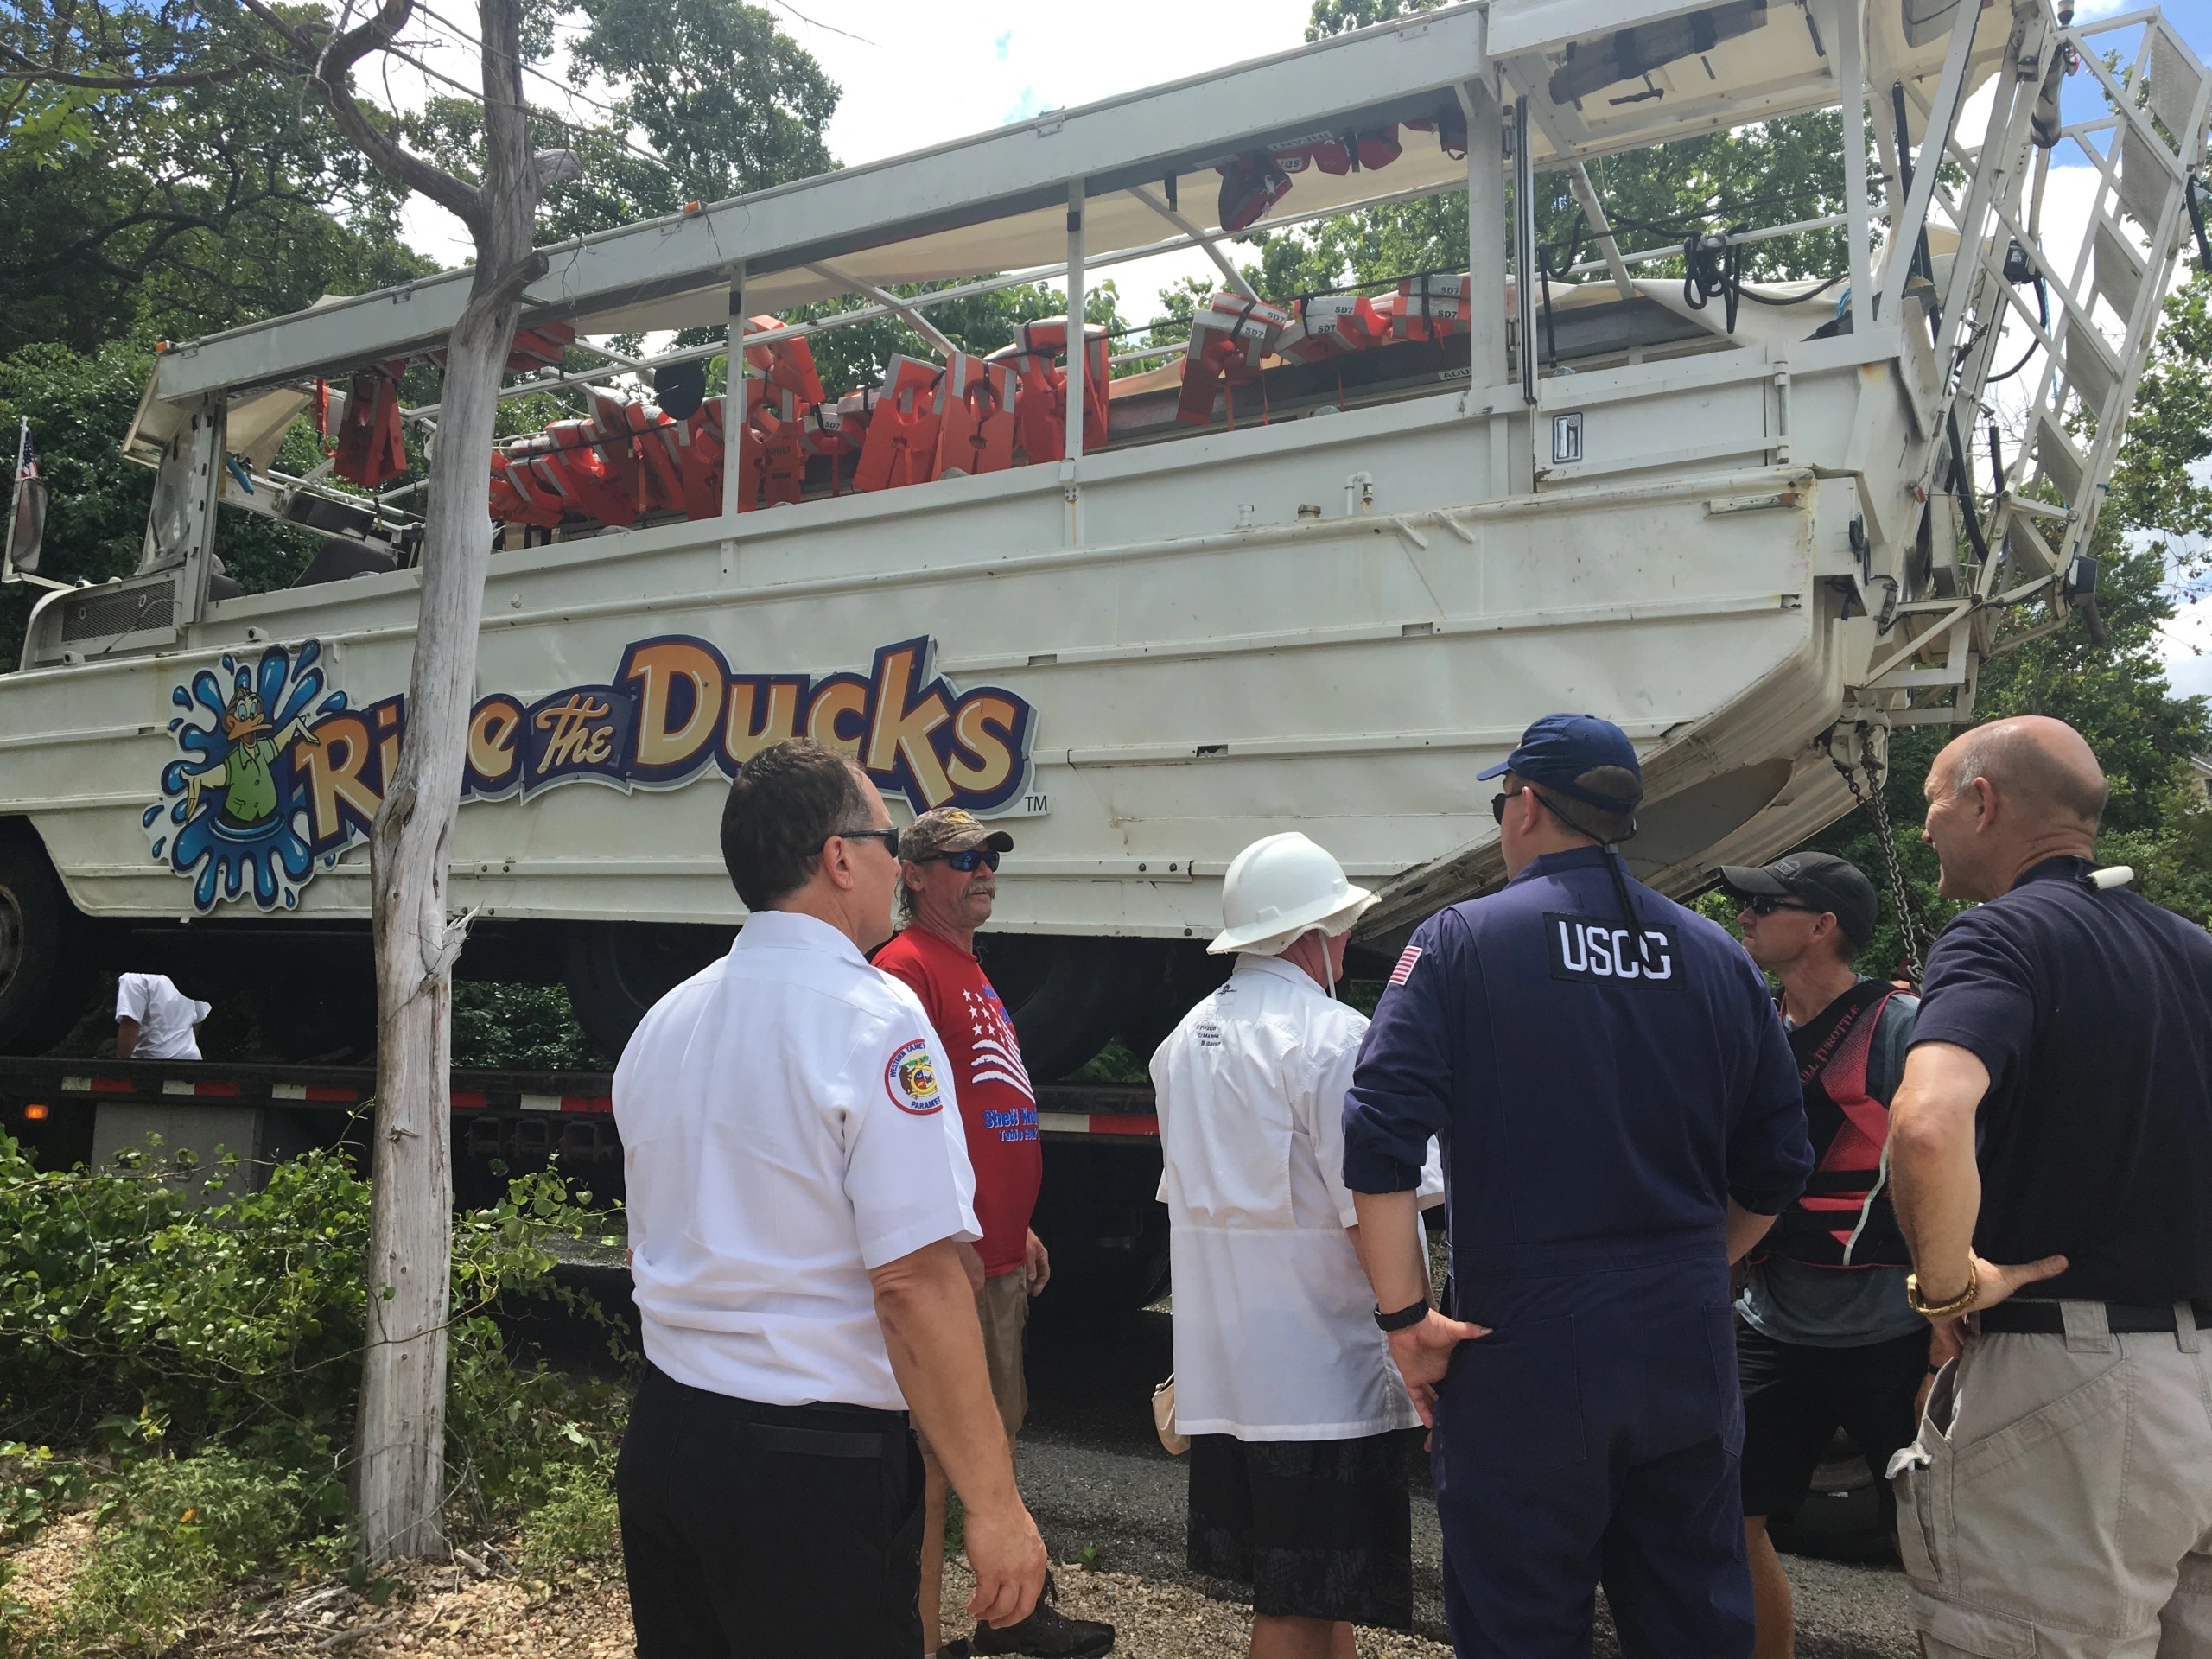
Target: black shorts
{"x":769,"y":1530}
{"x":1319,"y":1528}
{"x":1795,"y":1397}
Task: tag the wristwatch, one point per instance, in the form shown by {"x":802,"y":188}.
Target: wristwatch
{"x":1956,"y":1305}
{"x":1405,"y":1319}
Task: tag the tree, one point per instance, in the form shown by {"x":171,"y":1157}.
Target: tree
{"x":736,"y":103}
{"x":138,"y":196}
{"x":399,"y":1448}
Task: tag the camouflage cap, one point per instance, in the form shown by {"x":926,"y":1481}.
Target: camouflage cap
{"x":950,"y":829}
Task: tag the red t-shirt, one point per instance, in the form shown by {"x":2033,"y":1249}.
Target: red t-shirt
{"x":998,"y":1107}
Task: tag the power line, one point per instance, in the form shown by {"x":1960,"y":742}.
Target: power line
{"x":619,"y":138}
{"x":785,"y":5}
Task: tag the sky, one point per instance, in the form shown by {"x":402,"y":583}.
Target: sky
{"x":916,"y":72}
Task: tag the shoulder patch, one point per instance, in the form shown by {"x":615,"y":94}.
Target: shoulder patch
{"x":1404,"y":970}
{"x":910,"y":1079}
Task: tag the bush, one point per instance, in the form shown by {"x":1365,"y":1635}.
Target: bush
{"x":172,"y":1533}
{"x":193,"y":1361}
{"x":576,"y":1523}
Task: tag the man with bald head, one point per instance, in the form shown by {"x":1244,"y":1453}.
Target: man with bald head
{"x":2051,"y":1147}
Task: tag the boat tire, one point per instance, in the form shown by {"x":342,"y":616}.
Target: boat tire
{"x":46,"y":967}
{"x":1065,"y":995}
{"x":616,"y":971}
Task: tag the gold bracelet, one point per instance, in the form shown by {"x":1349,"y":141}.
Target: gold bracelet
{"x":1943,"y":1310}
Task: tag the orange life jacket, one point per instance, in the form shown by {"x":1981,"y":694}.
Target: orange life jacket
{"x":976,"y":433}
{"x":1430,"y":307}
{"x":371,"y":451}
{"x":788,"y":364}
{"x":1328,"y":325}
{"x":1040,"y":403}
{"x":783,"y":446}
{"x":902,"y":432}
{"x":1229,"y":337}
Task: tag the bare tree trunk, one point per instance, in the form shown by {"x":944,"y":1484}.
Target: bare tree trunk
{"x":399,"y":1483}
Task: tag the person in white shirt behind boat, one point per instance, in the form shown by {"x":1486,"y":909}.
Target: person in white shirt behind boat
{"x":1297,"y":1418}
{"x":154,"y":1021}
{"x":800,"y":1207}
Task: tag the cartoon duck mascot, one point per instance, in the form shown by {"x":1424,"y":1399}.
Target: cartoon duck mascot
{"x":245,"y":773}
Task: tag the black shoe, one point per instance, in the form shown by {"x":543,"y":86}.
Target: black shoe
{"x":1047,"y":1633}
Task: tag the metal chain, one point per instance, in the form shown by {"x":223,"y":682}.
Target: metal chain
{"x":1901,"y":900}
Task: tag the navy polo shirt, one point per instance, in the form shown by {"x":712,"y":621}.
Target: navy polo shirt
{"x":1585,"y":1093}
{"x":2093,"y":1012}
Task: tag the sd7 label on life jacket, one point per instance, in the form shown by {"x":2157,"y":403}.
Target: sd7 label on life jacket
{"x":1602,"y":949}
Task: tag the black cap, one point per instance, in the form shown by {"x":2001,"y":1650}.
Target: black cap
{"x":1821,"y":879}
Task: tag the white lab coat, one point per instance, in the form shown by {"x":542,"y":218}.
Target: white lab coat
{"x":1274,"y":1321}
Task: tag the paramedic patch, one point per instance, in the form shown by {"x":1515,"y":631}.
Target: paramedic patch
{"x":1598,"y":950}
{"x":911,"y":1079}
{"x":1404,"y":970}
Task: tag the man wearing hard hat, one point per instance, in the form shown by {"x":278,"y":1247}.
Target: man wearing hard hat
{"x":1295,"y":1414}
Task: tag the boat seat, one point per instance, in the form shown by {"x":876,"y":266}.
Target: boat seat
{"x":335,"y":559}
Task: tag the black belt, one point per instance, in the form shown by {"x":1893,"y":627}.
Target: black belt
{"x":2047,"y":1319}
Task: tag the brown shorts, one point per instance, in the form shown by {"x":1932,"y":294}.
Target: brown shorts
{"x":1002,"y":1307}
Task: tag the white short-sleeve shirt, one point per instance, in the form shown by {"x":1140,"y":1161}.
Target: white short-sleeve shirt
{"x":1274,"y":1321}
{"x":787,"y":1126}
{"x":166,"y":1016}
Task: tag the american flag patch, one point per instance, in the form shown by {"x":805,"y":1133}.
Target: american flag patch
{"x":1404,"y":970}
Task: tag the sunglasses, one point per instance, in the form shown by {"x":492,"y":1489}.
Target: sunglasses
{"x":1765,"y":905}
{"x":1497,"y":803}
{"x":966,"y":859}
{"x":889,"y":837}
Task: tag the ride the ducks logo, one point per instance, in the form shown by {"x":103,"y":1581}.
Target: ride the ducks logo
{"x":276,"y":773}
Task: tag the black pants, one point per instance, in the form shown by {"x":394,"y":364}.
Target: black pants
{"x":769,"y":1530}
{"x":1795,"y":1398}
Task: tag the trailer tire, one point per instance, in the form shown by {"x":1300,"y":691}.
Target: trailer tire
{"x":1186,"y":977}
{"x":46,"y":967}
{"x":1064,"y":995}
{"x":616,"y":971}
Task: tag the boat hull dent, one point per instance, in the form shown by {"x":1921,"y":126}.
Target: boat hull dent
{"x":1351,"y":617}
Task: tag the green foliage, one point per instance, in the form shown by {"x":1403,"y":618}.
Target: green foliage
{"x":172,"y":1534}
{"x":576,"y":1523}
{"x":193,"y":1359}
{"x":180,"y":210}
{"x":710,"y":99}
{"x":527,"y":1027}
{"x":80,"y":406}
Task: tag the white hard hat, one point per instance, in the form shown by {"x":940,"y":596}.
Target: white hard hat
{"x":1281,"y":886}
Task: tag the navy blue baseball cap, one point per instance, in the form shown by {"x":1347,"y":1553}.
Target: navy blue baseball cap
{"x":1559,"y":748}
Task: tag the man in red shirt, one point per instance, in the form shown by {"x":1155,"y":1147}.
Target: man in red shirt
{"x":948,"y":865}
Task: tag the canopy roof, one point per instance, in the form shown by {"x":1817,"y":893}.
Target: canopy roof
{"x":1601,"y":75}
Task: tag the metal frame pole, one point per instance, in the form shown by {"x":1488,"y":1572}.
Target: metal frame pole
{"x":733,"y":404}
{"x":1524,"y":246}
{"x":1071,"y":451}
{"x":1846,"y":26}
{"x":1485,"y":232}
{"x":1905,"y":230}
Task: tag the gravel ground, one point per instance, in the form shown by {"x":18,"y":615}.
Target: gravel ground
{"x":1102,"y":1490}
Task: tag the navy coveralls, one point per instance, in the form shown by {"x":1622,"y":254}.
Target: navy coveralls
{"x":1597,"y":1111}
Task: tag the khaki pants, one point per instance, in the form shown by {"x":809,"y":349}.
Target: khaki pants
{"x":2058,"y":1502}
{"x":1002,"y":1307}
